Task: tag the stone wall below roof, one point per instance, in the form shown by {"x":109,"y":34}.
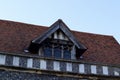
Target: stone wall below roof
{"x":16,"y":75}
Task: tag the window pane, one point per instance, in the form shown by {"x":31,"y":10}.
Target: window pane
{"x":57,"y":53}
{"x":67,"y":54}
{"x":47,"y":52}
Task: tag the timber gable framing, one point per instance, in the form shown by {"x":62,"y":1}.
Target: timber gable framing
{"x":59,"y":25}
{"x":62,"y":26}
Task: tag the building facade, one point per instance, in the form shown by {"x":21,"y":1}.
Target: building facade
{"x":31,"y":52}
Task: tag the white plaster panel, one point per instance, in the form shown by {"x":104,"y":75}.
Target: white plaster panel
{"x":73,"y":52}
{"x":16,"y":61}
{"x":81,"y":68}
{"x":93,"y":69}
{"x":56,"y":65}
{"x":55,"y":35}
{"x":105,"y":70}
{"x":69,"y":67}
{"x":116,"y":73}
{"x":29,"y":62}
{"x":43,"y":64}
{"x":2,"y":59}
{"x":61,"y":36}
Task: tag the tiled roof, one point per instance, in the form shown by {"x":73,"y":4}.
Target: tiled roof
{"x":16,"y":36}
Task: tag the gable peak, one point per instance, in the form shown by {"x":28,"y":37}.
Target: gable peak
{"x":60,"y":20}
{"x":59,"y":25}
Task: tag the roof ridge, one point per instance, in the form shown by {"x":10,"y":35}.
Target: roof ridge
{"x":99,"y":34}
{"x":25,"y":23}
{"x":49,"y":26}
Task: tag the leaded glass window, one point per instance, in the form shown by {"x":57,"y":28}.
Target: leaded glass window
{"x":66,"y":53}
{"x":57,"y":52}
{"x":56,"y":48}
{"x":47,"y":51}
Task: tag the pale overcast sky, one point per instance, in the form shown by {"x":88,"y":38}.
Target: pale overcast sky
{"x":94,"y":16}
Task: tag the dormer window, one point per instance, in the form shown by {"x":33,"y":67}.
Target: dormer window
{"x":53,"y":47}
{"x":58,"y":42}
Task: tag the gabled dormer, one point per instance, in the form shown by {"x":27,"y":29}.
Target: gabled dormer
{"x":57,"y":42}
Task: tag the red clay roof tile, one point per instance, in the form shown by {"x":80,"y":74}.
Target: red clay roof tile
{"x":16,"y":36}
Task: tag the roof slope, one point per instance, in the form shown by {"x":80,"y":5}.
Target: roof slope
{"x":16,"y":36}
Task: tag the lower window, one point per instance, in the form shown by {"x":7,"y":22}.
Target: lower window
{"x":66,"y":54}
{"x":57,"y":53}
{"x":47,"y":52}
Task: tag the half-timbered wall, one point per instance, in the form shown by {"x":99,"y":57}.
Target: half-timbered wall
{"x":67,"y":66}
